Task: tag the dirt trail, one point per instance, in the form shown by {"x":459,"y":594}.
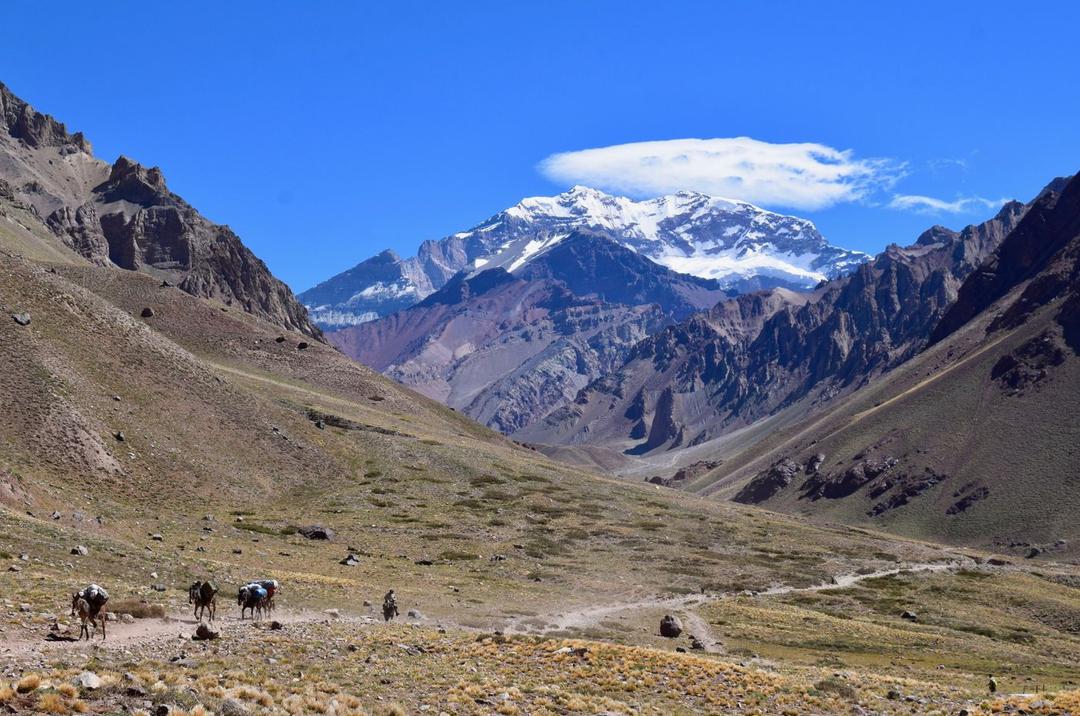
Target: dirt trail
{"x":592,"y":616}
{"x":178,"y":626}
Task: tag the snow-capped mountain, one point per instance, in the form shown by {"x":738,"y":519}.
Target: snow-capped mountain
{"x":738,"y":244}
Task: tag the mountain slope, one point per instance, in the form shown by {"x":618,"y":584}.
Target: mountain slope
{"x":972,"y":440}
{"x":751,"y":356}
{"x":506,"y":349}
{"x":503,"y":350}
{"x":737,"y":244}
{"x":124,"y":215}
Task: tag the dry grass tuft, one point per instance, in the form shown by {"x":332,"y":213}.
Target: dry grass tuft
{"x":52,"y":704}
{"x":28,"y":683}
{"x":390,"y":710}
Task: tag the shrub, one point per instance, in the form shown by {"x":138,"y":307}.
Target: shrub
{"x":453,"y":555}
{"x":137,"y":608}
{"x":833,"y":685}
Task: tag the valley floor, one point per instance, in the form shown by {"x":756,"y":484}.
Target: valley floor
{"x":839,"y":646}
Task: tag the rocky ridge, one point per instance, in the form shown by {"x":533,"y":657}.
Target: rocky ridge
{"x":124,"y":215}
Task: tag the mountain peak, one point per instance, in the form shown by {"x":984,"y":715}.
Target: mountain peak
{"x":732,"y":242}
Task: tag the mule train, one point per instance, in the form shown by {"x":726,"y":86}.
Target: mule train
{"x":255,"y":598}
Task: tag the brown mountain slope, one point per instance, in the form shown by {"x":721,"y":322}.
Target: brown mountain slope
{"x":973,"y":441}
{"x":124,"y":215}
{"x":503,"y":350}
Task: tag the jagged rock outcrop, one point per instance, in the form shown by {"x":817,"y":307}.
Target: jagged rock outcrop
{"x":835,"y":486}
{"x":23,"y":122}
{"x":768,"y":483}
{"x":80,"y":229}
{"x":123,"y":214}
{"x":1044,"y":250}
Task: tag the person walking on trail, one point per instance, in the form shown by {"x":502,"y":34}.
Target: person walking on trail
{"x":389,"y":606}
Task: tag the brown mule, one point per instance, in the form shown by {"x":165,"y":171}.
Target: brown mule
{"x":88,"y":616}
{"x":204,"y":596}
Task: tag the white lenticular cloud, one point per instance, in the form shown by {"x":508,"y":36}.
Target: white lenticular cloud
{"x":930,"y":205}
{"x":799,"y":176}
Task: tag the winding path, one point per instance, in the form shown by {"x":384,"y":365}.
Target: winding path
{"x":591,"y":616}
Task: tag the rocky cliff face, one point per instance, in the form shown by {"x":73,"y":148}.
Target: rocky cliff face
{"x":124,"y":215}
{"x":21,"y":121}
{"x":734,"y":244}
{"x":754,"y":355}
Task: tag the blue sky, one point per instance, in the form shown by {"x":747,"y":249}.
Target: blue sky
{"x":324,"y":132}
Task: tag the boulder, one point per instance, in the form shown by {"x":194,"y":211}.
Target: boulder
{"x":351,"y":560}
{"x":316,"y":532}
{"x":233,"y":707}
{"x":23,"y":319}
{"x":80,"y":550}
{"x":670,"y":626}
{"x":415,"y":614}
{"x":814,"y":463}
{"x":147,"y":312}
{"x":909,"y":616}
{"x":205,"y":633}
{"x":87,"y":680}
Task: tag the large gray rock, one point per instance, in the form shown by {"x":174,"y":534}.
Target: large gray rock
{"x":316,"y":532}
{"x":232,"y":707}
{"x":87,"y":680}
